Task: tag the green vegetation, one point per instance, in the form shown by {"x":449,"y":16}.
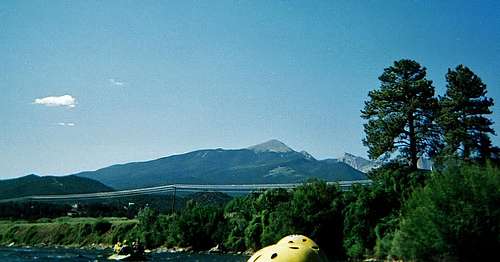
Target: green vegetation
{"x":400,"y":115}
{"x":372,"y":213}
{"x":456,"y":215}
{"x":464,"y":126}
{"x":66,"y":231}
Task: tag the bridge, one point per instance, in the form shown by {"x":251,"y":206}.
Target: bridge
{"x":173,"y":188}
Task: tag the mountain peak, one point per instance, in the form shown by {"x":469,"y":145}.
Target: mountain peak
{"x":272,"y":145}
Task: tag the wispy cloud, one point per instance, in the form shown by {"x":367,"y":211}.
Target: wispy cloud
{"x":65,"y":124}
{"x":65,"y":100}
{"x":116,"y":82}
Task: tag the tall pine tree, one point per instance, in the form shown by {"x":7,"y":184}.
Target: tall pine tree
{"x":462,"y":118}
{"x":401,"y":113}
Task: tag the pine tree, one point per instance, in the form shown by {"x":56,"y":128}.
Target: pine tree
{"x":400,"y":114}
{"x":465,"y":128}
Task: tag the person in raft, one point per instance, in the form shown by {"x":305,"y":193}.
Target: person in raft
{"x":117,"y":247}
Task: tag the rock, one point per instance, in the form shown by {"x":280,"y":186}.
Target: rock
{"x":215,"y":249}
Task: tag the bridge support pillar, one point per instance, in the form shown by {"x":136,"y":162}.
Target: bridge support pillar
{"x":173,"y":200}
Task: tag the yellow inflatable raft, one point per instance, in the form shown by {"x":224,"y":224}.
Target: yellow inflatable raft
{"x":293,"y":248}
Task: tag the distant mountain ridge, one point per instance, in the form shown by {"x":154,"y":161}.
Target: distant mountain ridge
{"x":268,"y":162}
{"x":365,"y":165}
{"x":49,"y":185}
{"x":359,"y":163}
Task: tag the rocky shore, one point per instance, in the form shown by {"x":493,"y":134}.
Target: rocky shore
{"x":158,"y":250}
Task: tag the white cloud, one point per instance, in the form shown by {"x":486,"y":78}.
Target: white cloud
{"x":65,"y":124}
{"x":65,"y":100}
{"x":116,"y":82}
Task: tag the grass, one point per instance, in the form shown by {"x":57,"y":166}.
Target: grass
{"x":76,"y":232}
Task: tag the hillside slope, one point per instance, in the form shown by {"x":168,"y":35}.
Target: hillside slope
{"x":270,"y":162}
{"x":49,"y":185}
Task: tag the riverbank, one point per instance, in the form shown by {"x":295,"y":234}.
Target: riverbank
{"x":67,"y":232}
{"x":78,"y":233}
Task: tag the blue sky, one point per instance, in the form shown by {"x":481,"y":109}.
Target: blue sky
{"x":154,"y":78}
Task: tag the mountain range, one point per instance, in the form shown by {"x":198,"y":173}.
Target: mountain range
{"x":269,"y":162}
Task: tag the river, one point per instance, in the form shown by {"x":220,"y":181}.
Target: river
{"x":11,"y":254}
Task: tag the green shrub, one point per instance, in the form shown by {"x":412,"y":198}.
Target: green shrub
{"x":456,"y":216}
{"x":102,"y":226}
{"x":237,"y":213}
{"x":200,"y":226}
{"x":148,"y":228}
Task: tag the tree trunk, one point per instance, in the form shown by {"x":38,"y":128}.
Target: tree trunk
{"x":413,"y":142}
{"x":466,"y":139}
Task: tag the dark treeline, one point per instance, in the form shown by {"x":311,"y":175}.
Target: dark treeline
{"x":127,"y":207}
{"x":117,"y":207}
{"x":32,"y":211}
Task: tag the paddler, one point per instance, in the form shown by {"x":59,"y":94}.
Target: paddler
{"x":117,"y":247}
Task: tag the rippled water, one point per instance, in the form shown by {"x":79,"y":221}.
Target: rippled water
{"x":61,"y":254}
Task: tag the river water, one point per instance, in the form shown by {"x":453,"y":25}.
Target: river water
{"x":10,"y":254}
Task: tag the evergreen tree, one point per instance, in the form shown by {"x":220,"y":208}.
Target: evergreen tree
{"x":465,"y":128}
{"x":400,"y":114}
